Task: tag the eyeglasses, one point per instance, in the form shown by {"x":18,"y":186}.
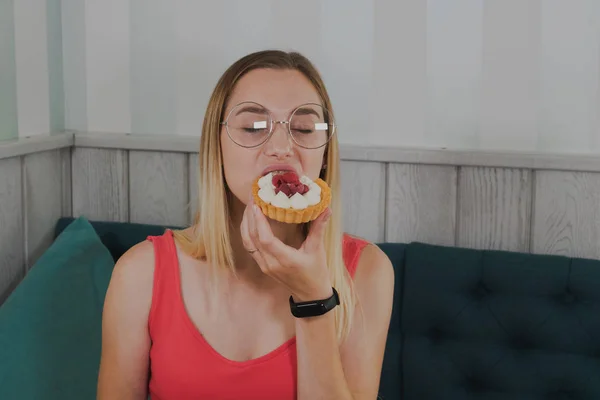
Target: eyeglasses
{"x":250,"y":124}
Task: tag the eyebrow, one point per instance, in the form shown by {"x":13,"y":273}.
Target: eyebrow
{"x":307,"y":111}
{"x":251,"y":109}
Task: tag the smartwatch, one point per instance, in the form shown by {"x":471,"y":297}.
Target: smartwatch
{"x":314,"y":308}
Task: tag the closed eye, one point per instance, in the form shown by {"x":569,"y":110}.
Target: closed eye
{"x":304,"y":131}
{"x":253,"y":130}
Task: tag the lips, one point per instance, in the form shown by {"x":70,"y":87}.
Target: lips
{"x":278,"y":169}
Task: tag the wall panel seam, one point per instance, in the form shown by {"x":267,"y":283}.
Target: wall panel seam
{"x":128,"y":178}
{"x":24,"y":213}
{"x":457,"y":199}
{"x":71,"y":181}
{"x":532,"y":211}
{"x":386,"y":173}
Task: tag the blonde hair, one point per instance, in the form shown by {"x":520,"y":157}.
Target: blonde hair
{"x":212,"y":222}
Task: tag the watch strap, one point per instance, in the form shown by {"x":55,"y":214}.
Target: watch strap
{"x":314,"y":308}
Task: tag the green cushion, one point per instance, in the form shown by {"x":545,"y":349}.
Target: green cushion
{"x":50,"y":326}
{"x":118,"y":237}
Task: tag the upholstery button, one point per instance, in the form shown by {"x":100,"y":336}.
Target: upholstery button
{"x":563,"y":394}
{"x":480,"y":291}
{"x":436,"y":335}
{"x":474,"y":384}
{"x":569,"y":297}
{"x":521,"y":343}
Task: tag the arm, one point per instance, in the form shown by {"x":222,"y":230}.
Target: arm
{"x":124,"y":361}
{"x":350,"y":371}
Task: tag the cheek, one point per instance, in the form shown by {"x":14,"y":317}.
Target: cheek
{"x":236,"y":170}
{"x":312,"y":164}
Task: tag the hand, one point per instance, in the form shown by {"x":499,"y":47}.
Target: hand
{"x":304,"y":270}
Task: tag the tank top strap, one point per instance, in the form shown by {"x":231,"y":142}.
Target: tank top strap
{"x":166,"y":278}
{"x":352,"y":249}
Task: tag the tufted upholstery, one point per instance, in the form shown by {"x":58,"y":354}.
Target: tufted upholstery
{"x":469,"y":324}
{"x":499,"y":325}
{"x":391,"y":373}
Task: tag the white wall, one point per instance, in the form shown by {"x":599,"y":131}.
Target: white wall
{"x":31,"y":76}
{"x":495,"y":74}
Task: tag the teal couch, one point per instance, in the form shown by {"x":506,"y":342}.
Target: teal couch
{"x":466,"y":324}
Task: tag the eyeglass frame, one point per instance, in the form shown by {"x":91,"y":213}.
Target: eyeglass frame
{"x":272,"y":123}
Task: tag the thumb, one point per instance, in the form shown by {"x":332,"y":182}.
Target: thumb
{"x":317,"y":230}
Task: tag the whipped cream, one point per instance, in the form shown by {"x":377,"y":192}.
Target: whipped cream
{"x":297,"y":201}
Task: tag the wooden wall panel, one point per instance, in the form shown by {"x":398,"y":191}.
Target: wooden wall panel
{"x":100,"y":184}
{"x":494,"y":208}
{"x":363,"y":199}
{"x":12,"y":252}
{"x":67,"y":192}
{"x":43,"y":195}
{"x":466,"y":201}
{"x":567,"y":214}
{"x":421,"y":203}
{"x":486,"y":207}
{"x":158,"y":187}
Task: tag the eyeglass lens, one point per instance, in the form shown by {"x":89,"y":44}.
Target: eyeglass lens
{"x":250,"y":124}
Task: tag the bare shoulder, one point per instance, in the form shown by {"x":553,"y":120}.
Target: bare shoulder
{"x":136,"y":262}
{"x":133,"y":275}
{"x":374,"y":272}
{"x":362,"y":353}
{"x":125,"y":337}
{"x":374,"y":266}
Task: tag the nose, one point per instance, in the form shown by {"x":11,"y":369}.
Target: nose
{"x":280,"y":143}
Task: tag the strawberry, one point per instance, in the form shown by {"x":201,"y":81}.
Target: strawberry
{"x":290,"y":177}
{"x":299,"y":188}
{"x":289,"y":184}
{"x":276,"y":180}
{"x":286,"y":190}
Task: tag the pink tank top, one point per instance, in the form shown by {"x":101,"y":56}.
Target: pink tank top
{"x":184,"y":366}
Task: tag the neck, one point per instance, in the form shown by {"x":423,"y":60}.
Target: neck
{"x":247,"y":268}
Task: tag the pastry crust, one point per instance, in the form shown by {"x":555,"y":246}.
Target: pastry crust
{"x":291,"y":215}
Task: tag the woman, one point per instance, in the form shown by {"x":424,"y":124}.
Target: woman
{"x":206,"y":312}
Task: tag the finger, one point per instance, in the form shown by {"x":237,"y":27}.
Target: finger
{"x":269,"y":244}
{"x":255,"y":226}
{"x":316,"y":235}
{"x":252,"y":232}
{"x":253,"y":243}
{"x":248,"y":242}
{"x":246,"y":239}
{"x":248,"y":213}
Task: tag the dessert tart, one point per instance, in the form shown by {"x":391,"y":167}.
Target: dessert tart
{"x":285,"y":197}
